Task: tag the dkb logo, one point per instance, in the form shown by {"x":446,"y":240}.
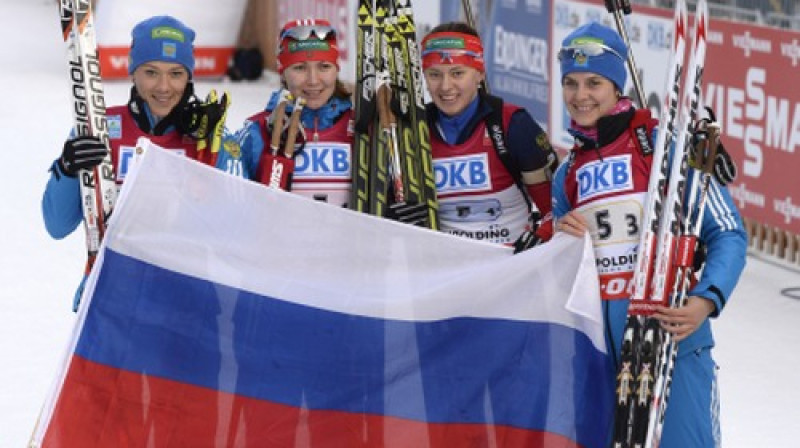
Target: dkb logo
{"x":609,"y":175}
{"x":329,"y":161}
{"x":466,"y":173}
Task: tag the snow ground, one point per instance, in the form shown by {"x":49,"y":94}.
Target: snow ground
{"x":756,"y":335}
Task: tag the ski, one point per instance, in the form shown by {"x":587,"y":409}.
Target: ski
{"x":364,"y":105}
{"x":379,"y":164}
{"x":392,"y":142}
{"x":636,"y":357}
{"x":666,"y":248}
{"x":416,"y":140}
{"x":681,"y":226}
{"x":97,"y":187}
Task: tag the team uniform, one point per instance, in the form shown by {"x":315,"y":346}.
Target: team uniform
{"x":606,"y":181}
{"x":478,"y":196}
{"x":323,"y":157}
{"x":61,"y":206}
{"x":163,"y":47}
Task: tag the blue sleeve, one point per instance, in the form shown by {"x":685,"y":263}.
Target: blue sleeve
{"x":250,"y":145}
{"x":561,"y":205}
{"x":528,"y":142}
{"x":726,"y":242}
{"x":229,"y":156}
{"x":61,"y":204}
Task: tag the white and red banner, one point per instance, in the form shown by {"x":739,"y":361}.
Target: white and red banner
{"x":751,"y":83}
{"x":215,"y":23}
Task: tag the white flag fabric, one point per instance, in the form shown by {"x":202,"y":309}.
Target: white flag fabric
{"x":225,"y":313}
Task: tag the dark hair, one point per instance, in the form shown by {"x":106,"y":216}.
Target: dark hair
{"x":341,"y":91}
{"x":456,"y":27}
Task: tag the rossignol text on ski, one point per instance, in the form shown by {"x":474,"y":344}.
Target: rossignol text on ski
{"x":97,"y":186}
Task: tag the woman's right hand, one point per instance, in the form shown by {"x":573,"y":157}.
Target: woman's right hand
{"x":573,"y":223}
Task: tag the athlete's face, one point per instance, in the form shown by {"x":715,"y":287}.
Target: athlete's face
{"x":161,"y":84}
{"x":452,"y":87}
{"x":588,"y":96}
{"x":315,"y":81}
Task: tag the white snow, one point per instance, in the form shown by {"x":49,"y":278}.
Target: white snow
{"x":758,"y":335}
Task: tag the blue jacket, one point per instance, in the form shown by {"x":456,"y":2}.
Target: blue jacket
{"x":61,"y":201}
{"x":725,"y":239}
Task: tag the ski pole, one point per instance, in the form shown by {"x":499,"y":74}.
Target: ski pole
{"x":471,"y":22}
{"x":617,"y":8}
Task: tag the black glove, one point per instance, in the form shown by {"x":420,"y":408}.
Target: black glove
{"x":724,"y":166}
{"x":199,"y":119}
{"x":81,"y":153}
{"x":414,"y":214}
{"x":539,"y":230}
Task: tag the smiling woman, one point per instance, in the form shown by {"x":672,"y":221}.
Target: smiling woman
{"x":162,"y":108}
{"x":161,"y":63}
{"x":600,"y":190}
{"x":492,"y":189}
{"x":314,"y":159}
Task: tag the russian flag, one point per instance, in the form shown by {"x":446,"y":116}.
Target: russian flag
{"x":225,"y":314}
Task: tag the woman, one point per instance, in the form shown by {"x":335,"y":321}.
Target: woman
{"x":308,"y":64}
{"x":162,"y":107}
{"x":486,"y":176}
{"x":604,"y":123}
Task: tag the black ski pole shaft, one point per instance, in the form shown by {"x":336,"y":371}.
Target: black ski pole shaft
{"x":618,"y":8}
{"x":471,"y":22}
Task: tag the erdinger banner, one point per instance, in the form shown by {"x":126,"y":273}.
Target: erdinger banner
{"x":216,"y":24}
{"x":751,"y":83}
{"x":515,"y":45}
{"x":225,"y":313}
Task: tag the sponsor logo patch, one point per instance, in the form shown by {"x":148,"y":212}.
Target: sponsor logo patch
{"x":465,"y":173}
{"x":610,"y":175}
{"x":114,"y":126}
{"x":323,"y":160}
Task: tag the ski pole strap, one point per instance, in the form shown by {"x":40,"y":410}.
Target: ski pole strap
{"x":494,"y":126}
{"x":641,"y":126}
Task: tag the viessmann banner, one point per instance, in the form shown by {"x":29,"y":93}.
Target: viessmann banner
{"x":750,"y":82}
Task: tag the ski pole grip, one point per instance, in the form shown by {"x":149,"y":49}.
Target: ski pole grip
{"x":279,"y":115}
{"x":713,"y":146}
{"x":618,"y":5}
{"x":294,"y":126}
{"x":611,"y":5}
{"x":385,"y":116}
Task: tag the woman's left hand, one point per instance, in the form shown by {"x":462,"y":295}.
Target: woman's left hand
{"x":683,"y":321}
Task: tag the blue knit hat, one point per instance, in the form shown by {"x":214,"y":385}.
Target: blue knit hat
{"x":606,"y":63}
{"x":161,"y":38}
